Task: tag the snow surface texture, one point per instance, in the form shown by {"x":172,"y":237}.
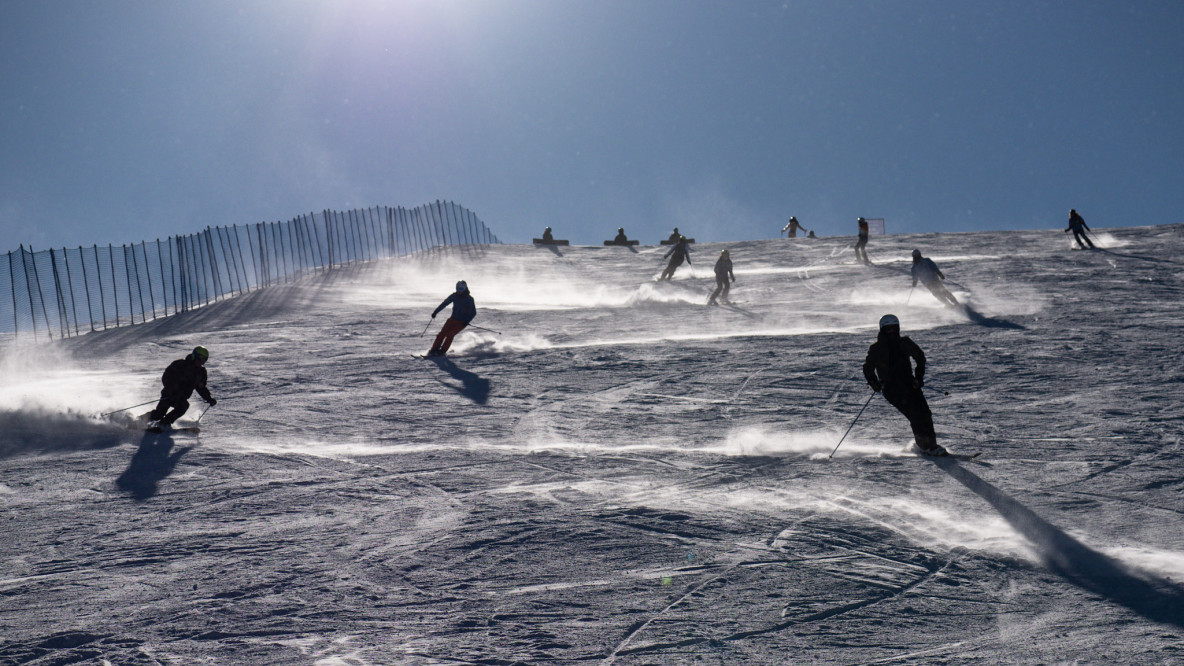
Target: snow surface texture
{"x":624,"y":474}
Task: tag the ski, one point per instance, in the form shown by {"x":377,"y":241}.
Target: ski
{"x":160,"y":431}
{"x":955,"y":456}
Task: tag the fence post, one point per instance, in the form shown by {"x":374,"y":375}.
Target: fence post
{"x":37,"y":279}
{"x":57,"y":287}
{"x":12,"y":283}
{"x":70,"y":283}
{"x":164,"y":290}
{"x":254,"y":261}
{"x":90,"y":312}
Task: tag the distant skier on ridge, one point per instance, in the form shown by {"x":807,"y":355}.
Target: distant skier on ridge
{"x":547,"y":236}
{"x":861,"y":243}
{"x":927,"y":272}
{"x":791,"y":229}
{"x":180,"y":380}
{"x":1077,"y":226}
{"x":681,"y":252}
{"x":464,"y":309}
{"x":723,"y":270}
{"x":888,"y":370}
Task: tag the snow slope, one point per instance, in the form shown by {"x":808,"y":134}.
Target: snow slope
{"x":622,"y":475}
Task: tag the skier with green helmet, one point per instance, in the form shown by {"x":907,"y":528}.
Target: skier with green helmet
{"x":181,"y":379}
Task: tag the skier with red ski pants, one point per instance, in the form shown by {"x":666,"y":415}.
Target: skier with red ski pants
{"x":888,"y":368}
{"x":464,"y":309}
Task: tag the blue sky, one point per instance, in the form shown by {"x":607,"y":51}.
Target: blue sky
{"x":127,"y":120}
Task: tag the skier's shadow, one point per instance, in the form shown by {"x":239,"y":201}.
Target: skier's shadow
{"x":1155,"y":598}
{"x":990,"y":322}
{"x":473,"y":387}
{"x":549,"y":246}
{"x":1134,"y":256}
{"x":151,"y":464}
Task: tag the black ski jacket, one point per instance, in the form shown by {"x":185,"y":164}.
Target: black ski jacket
{"x":887,"y":367}
{"x":182,"y":378}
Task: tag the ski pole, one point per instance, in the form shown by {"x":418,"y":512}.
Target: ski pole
{"x":869,"y":401}
{"x":425,"y":328}
{"x":203,"y":413}
{"x":126,"y":408}
{"x":910,"y":298}
{"x":485,"y":329}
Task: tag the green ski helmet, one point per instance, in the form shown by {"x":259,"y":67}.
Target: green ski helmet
{"x":201,"y":352}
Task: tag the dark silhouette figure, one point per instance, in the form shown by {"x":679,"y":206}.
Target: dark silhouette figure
{"x":927,"y":272}
{"x":679,"y":253}
{"x":674,"y":236}
{"x":723,"y":270}
{"x":621,"y":237}
{"x":1077,"y":226}
{"x":861,"y":244}
{"x":181,"y":379}
{"x":547,"y":237}
{"x":888,"y":369}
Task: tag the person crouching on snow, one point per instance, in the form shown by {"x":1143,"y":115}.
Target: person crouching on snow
{"x":463,"y":311}
{"x":889,"y":370}
{"x":181,"y":379}
{"x":927,"y":272}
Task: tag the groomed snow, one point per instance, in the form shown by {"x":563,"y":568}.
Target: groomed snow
{"x":622,"y":475}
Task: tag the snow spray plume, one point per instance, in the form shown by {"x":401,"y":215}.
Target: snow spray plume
{"x":24,"y":432}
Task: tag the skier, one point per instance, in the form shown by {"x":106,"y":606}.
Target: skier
{"x":181,"y":379}
{"x":792,"y":228}
{"x":860,"y":245}
{"x":463,"y":311}
{"x":547,"y":237}
{"x":681,"y":252}
{"x":888,"y":369}
{"x":621,"y":238}
{"x":723,"y":269}
{"x":1077,"y":226}
{"x":674,"y":236}
{"x":927,"y":272}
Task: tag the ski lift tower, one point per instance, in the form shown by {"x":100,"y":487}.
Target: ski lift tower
{"x":875,"y":226}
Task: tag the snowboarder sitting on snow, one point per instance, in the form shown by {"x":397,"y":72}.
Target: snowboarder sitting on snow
{"x":621,"y":238}
{"x":1077,"y":226}
{"x":792,"y":228}
{"x":181,"y":379}
{"x":889,"y":370}
{"x":547,"y":237}
{"x":463,"y":311}
{"x":861,"y":244}
{"x":674,"y":236}
{"x":723,"y":269}
{"x":927,"y":272}
{"x":681,"y":252}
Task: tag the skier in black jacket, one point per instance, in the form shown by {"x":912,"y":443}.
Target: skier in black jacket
{"x":889,"y":369}
{"x":1078,"y":227}
{"x":181,"y":379}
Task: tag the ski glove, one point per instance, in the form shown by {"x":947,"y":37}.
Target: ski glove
{"x":877,"y":387}
{"x":212,"y":402}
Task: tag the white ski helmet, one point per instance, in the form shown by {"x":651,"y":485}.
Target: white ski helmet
{"x":889,"y":320}
{"x":462,"y":286}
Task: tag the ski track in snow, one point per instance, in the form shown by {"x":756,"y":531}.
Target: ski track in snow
{"x":623,"y":474}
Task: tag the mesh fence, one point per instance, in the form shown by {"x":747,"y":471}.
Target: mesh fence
{"x":52,"y":294}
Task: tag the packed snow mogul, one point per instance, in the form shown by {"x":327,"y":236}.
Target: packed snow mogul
{"x":181,"y":379}
{"x":791,"y":229}
{"x":463,"y":311}
{"x":888,"y":369}
{"x":861,"y":243}
{"x":1077,"y":226}
{"x":927,"y":272}
{"x":723,"y":270}
{"x":679,"y":253}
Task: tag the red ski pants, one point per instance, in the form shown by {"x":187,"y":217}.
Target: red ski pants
{"x":444,"y":337}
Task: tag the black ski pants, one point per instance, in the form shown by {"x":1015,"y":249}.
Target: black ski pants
{"x":178,"y":404}
{"x":860,"y":252}
{"x":911,"y":402}
{"x":722,"y":287}
{"x":1080,"y":234}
